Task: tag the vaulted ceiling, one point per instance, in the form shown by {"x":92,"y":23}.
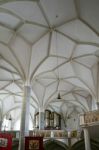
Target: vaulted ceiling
{"x":52,"y":45}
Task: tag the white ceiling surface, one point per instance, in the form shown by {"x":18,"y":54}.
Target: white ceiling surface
{"x":50,"y":44}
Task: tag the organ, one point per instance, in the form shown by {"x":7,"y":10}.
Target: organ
{"x":52,"y":120}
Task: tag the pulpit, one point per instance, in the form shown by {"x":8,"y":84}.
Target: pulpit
{"x":34,"y":143}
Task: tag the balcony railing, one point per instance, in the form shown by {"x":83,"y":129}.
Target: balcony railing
{"x":89,"y":118}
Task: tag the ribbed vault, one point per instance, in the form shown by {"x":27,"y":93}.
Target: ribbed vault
{"x":52,"y":46}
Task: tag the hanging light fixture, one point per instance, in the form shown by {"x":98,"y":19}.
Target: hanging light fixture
{"x":58,"y":97}
{"x":10,"y":118}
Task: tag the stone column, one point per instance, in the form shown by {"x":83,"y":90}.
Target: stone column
{"x":9,"y":124}
{"x":24,"y":129}
{"x":41,"y":119}
{"x":87,"y":139}
{"x":97,"y":105}
{"x":12,"y":125}
{"x":0,"y":125}
{"x":69,"y":143}
{"x":1,"y":118}
{"x":69,"y":139}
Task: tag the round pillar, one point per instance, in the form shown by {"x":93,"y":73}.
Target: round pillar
{"x":24,"y":129}
{"x":41,"y":119}
{"x":97,"y":105}
{"x":87,"y":139}
{"x":0,"y":125}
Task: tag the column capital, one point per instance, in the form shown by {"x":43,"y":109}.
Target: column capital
{"x":41,"y":109}
{"x":85,"y":126}
{"x":27,"y":83}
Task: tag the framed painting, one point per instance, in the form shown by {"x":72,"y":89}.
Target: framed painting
{"x":5,"y":141}
{"x":33,"y":143}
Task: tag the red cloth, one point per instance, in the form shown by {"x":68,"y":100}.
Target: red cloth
{"x":34,"y":143}
{"x":8,"y":138}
